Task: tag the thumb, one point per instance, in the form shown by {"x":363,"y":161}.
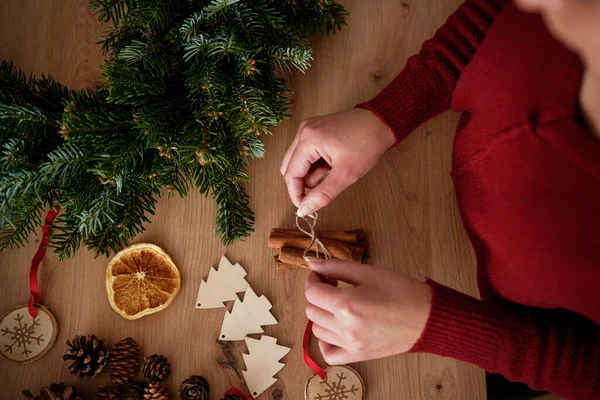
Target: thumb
{"x":338,"y":179}
{"x":345,"y":271}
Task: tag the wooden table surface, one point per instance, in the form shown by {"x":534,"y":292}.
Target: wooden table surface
{"x":406,"y":204}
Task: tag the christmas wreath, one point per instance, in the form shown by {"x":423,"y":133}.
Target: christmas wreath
{"x":189,"y":87}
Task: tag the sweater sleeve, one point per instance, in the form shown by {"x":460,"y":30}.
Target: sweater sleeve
{"x":552,"y":350}
{"x":425,"y":86}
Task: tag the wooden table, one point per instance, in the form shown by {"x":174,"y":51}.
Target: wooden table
{"x":406,"y":204}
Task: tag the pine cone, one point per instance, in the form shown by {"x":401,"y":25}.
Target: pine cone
{"x":133,"y":391}
{"x":106,"y":393}
{"x":89,"y":356}
{"x":156,"y":368}
{"x":156,"y":391}
{"x":232,"y":397}
{"x":56,"y":391}
{"x":124,"y":361}
{"x":194,"y":388}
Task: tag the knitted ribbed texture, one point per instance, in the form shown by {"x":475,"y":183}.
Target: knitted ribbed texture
{"x":424,"y":87}
{"x":552,"y":350}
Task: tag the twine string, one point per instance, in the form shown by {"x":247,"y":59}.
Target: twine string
{"x":311,"y":221}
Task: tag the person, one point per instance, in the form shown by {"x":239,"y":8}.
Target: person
{"x":526,"y":170}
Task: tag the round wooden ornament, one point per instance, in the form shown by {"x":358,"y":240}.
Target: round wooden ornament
{"x":342,"y":383}
{"x":23,"y":338}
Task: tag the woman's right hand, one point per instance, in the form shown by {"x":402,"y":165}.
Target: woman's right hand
{"x":330,"y":153}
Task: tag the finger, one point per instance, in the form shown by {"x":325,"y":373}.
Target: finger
{"x":334,"y":355}
{"x":321,"y":294}
{"x":300,"y":163}
{"x":345,"y":271}
{"x":288,"y":154}
{"x":320,"y":317}
{"x":316,"y":176}
{"x":326,"y":335}
{"x":338,"y":179}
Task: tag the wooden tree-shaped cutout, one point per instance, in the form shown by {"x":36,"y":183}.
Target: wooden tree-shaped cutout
{"x":247,"y":316}
{"x":221,"y":285}
{"x":262,"y":363}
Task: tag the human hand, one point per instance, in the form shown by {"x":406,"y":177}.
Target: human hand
{"x":330,"y":153}
{"x":577,"y":24}
{"x":382,"y":314}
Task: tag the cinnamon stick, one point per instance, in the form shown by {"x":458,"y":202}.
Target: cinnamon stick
{"x":341,"y":250}
{"x":281,"y":266}
{"x":294,"y":257}
{"x":354,"y":236}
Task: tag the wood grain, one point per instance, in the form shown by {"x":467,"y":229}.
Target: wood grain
{"x":412,"y":223}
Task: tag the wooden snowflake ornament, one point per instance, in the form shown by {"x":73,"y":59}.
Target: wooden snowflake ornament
{"x":246,"y":317}
{"x":221,"y":285}
{"x":24,"y":338}
{"x":262,"y":363}
{"x":342,"y":383}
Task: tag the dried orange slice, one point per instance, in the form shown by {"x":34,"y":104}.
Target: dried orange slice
{"x":141,"y":280}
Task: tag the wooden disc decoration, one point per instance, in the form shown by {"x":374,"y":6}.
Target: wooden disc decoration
{"x":342,"y":383}
{"x":24,"y":338}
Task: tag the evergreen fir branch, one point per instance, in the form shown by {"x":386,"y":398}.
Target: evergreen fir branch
{"x":16,"y":185}
{"x":14,"y":84}
{"x":192,"y":26}
{"x":190,"y":87}
{"x":217,"y":6}
{"x":21,"y":221}
{"x":22,"y":118}
{"x":285,"y":58}
{"x":110,"y":10}
{"x":235,"y":219}
{"x":64,"y":239}
{"x":64,"y":163}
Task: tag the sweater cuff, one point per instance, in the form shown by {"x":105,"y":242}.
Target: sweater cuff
{"x":416,"y":95}
{"x":461,"y":327}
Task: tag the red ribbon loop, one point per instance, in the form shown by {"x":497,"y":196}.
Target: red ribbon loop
{"x":309,"y":361}
{"x":237,"y":392}
{"x":36,"y":297}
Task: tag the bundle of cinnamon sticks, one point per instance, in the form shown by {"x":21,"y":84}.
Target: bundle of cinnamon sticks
{"x":343,"y":245}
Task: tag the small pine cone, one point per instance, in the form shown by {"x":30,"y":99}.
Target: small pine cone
{"x":156,"y":391}
{"x":106,"y":393}
{"x":156,"y":368}
{"x":124,"y":361}
{"x":56,"y":391}
{"x":194,"y":388}
{"x":232,"y":397}
{"x":133,"y":390}
{"x":89,"y":356}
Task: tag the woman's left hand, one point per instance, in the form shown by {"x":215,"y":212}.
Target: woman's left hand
{"x":577,"y":24}
{"x":383,"y":313}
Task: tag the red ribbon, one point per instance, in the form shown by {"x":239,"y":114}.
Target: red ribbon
{"x":35,"y":263}
{"x":307,"y":334}
{"x":309,"y":361}
{"x":237,"y":392}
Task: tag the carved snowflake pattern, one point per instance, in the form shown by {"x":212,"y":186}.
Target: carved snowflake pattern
{"x":22,"y":335}
{"x":336,"y":390}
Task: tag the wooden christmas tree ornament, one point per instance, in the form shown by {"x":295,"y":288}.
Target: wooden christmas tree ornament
{"x":221,"y":285}
{"x":24,"y":338}
{"x":246,"y":317}
{"x":341,"y":383}
{"x":262,"y":363}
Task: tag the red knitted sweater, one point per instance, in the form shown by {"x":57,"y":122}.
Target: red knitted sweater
{"x":526,"y":172}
